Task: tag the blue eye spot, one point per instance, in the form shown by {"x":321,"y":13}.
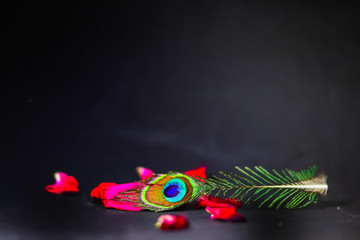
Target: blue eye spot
{"x":171,"y":191}
{"x":174,"y":190}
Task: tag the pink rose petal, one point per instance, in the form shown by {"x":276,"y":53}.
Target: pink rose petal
{"x":144,"y":173}
{"x":168,"y":222}
{"x":63,"y":183}
{"x":108,"y":193}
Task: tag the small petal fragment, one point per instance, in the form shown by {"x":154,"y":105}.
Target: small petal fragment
{"x":168,"y":222}
{"x":144,"y":173}
{"x":63,"y":183}
{"x":209,"y":201}
{"x":225,"y":213}
{"x":197,"y":172}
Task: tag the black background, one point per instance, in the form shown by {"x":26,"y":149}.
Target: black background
{"x":95,"y":90}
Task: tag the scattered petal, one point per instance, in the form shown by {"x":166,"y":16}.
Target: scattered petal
{"x":209,"y":201}
{"x":125,"y":202}
{"x":63,"y":183}
{"x":167,"y":222}
{"x":225,"y":213}
{"x":107,"y":193}
{"x":144,"y":173}
{"x":197,"y":172}
{"x":99,"y":191}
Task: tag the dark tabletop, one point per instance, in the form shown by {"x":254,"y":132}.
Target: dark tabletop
{"x":96,"y":90}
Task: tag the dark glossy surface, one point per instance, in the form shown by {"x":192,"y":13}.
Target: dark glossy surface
{"x":96,"y":90}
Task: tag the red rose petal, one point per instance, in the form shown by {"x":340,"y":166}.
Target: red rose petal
{"x":99,"y":191}
{"x":209,"y":201}
{"x":63,"y":183}
{"x":225,"y":213}
{"x":122,"y":203}
{"x":197,"y":172}
{"x":167,"y":222}
{"x":107,"y":191}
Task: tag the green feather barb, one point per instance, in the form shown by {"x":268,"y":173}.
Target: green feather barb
{"x":287,"y":188}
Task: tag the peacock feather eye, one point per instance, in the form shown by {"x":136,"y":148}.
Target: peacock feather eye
{"x":174,"y":190}
{"x":168,"y":191}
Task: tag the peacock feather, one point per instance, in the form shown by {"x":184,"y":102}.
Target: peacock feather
{"x":287,"y":188}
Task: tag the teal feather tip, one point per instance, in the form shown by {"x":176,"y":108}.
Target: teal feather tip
{"x":288,"y":188}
